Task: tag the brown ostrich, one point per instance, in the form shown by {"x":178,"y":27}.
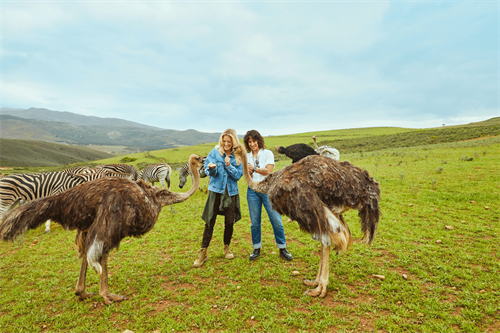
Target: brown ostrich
{"x":315,"y":191}
{"x":103,"y":212}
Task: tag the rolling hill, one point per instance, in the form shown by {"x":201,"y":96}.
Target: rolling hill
{"x":30,"y":153}
{"x":136,"y":138}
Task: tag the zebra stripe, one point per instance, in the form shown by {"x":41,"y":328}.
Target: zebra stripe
{"x":26,"y":187}
{"x":31,"y":186}
{"x":184,"y":172}
{"x":93,"y":174}
{"x":121,"y":168}
{"x":157,"y":173}
{"x":77,"y":170}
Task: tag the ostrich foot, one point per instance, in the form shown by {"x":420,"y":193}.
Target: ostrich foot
{"x":109,"y":299}
{"x":311,"y":283}
{"x":319,"y":291}
{"x":83,"y":295}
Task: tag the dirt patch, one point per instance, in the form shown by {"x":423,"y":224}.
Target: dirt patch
{"x":272,"y":283}
{"x":174,"y":286}
{"x":295,"y":241}
{"x":482,"y":138}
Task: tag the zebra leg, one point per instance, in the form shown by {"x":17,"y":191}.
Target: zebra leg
{"x":47,"y":227}
{"x":162,"y":183}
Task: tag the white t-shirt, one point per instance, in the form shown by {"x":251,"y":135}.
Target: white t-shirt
{"x":263,"y":158}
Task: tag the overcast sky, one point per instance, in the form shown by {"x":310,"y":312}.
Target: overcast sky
{"x":276,"y":66}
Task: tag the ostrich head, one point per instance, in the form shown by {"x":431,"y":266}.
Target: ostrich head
{"x":280,"y":149}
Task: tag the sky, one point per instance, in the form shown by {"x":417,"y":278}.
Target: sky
{"x":280,"y":67}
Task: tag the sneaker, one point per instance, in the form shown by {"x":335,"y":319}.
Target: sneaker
{"x":255,"y":254}
{"x":285,"y":254}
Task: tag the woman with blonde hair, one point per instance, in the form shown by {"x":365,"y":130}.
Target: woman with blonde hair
{"x":224,"y":171}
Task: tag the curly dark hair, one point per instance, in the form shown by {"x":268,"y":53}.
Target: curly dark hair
{"x":255,"y":135}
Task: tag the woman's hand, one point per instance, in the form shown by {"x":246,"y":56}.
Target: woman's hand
{"x":227,"y":160}
{"x":211,"y":165}
{"x":250,"y":168}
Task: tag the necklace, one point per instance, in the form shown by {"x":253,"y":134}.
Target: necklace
{"x":256,"y":160}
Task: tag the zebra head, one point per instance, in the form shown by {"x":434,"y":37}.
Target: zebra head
{"x":184,"y":173}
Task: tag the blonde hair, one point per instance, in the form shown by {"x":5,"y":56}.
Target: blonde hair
{"x":234,"y":138}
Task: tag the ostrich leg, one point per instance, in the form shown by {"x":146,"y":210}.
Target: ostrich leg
{"x":80,"y":285}
{"x":322,"y":277}
{"x":315,"y":282}
{"x":103,"y":283}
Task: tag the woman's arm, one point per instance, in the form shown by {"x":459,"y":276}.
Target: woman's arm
{"x":235,"y":172}
{"x":265,"y":171}
{"x":210,"y":165}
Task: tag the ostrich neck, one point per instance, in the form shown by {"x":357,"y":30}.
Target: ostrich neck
{"x":196,"y":181}
{"x":175,"y":197}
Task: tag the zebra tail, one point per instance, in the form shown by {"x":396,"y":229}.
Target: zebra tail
{"x":25,"y":217}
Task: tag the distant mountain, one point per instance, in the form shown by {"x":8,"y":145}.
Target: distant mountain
{"x":84,"y":130}
{"x":71,"y":118}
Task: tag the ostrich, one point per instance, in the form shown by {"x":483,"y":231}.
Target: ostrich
{"x":104,"y":212}
{"x":315,"y":191}
{"x":296,"y":151}
{"x":326,"y":151}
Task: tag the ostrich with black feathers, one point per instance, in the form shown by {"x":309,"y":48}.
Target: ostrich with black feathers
{"x":296,"y":151}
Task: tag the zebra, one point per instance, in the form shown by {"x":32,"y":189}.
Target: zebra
{"x":121,"y":168}
{"x":18,"y":188}
{"x":157,"y":173}
{"x":77,"y":170}
{"x":184,"y":173}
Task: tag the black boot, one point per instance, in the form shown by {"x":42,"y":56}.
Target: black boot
{"x":285,"y":254}
{"x":255,"y":254}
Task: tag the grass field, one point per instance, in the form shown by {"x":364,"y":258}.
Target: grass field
{"x":437,"y":246}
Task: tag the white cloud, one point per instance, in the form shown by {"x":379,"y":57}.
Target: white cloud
{"x":29,"y":16}
{"x":300,"y":66}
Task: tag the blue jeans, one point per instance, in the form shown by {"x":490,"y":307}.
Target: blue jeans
{"x":255,"y":202}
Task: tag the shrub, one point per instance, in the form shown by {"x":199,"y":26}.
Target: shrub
{"x":128,"y":159}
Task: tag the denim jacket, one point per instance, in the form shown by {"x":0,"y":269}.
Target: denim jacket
{"x":222,"y":175}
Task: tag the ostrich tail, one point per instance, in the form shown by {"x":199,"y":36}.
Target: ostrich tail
{"x":25,"y":217}
{"x":331,"y":153}
{"x":370,"y":215}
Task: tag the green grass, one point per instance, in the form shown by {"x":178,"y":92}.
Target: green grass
{"x":451,"y":286}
